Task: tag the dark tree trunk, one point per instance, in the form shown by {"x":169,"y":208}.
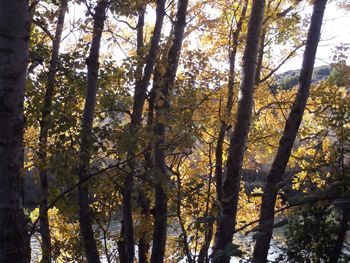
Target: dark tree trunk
{"x":289,"y":134}
{"x":142,"y":84}
{"x":87,"y":233}
{"x":43,"y":136}
{"x":127,"y":222}
{"x":203,"y":253}
{"x":14,"y":36}
{"x":343,"y":228}
{"x":121,"y":247}
{"x":144,"y":243}
{"x":234,"y":41}
{"x":136,"y":118}
{"x":203,"y":256}
{"x":167,"y":82}
{"x":140,"y":41}
{"x":185,"y":245}
{"x":260,"y":57}
{"x":231,"y":180}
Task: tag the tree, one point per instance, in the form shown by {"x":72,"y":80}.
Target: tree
{"x":309,"y":225}
{"x":43,"y":137}
{"x":159,"y":127}
{"x":289,"y":134}
{"x":140,"y":94}
{"x":162,"y":110}
{"x":87,"y":233}
{"x":14,"y":37}
{"x":231,"y":182}
{"x":224,"y":126}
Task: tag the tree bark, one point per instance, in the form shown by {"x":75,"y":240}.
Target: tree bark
{"x":162,"y":110}
{"x":142,"y":84}
{"x":343,"y":228}
{"x":43,"y":136}
{"x":229,"y":103}
{"x":85,"y":222}
{"x":260,"y":57}
{"x":208,"y":234}
{"x":14,"y":37}
{"x":136,"y":118}
{"x":231,"y":180}
{"x":289,"y":134}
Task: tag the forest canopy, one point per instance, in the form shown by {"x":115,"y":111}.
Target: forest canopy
{"x":165,"y":131}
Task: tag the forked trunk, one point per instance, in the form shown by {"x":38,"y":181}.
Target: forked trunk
{"x":232,"y":176}
{"x":234,"y":41}
{"x":139,"y":100}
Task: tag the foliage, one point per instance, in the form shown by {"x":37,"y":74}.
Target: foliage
{"x":319,"y":159}
{"x":64,"y":236}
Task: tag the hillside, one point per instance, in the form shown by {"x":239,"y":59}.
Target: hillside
{"x":289,"y":79}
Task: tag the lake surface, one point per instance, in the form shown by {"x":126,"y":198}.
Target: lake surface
{"x":115,"y":226}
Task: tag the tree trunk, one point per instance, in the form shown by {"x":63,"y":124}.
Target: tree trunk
{"x":203,"y":253}
{"x":260,"y":57}
{"x":14,"y":36}
{"x":208,"y":234}
{"x":43,"y":136}
{"x":136,"y":118}
{"x":343,"y":228}
{"x":161,"y":206}
{"x":289,"y":134}
{"x":85,"y":222}
{"x":234,"y":41}
{"x":142,"y":84}
{"x":144,"y":243}
{"x":231,"y":181}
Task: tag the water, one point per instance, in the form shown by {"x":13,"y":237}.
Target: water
{"x":115,"y":226}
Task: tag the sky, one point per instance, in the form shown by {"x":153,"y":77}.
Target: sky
{"x":335,"y":30}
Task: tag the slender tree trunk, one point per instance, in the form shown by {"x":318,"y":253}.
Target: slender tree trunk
{"x":140,"y":42}
{"x":231,"y":182}
{"x":142,"y":84}
{"x":14,"y":36}
{"x":128,"y":227}
{"x":186,"y":247}
{"x":203,"y":253}
{"x":235,"y":37}
{"x":343,"y":228}
{"x":208,"y":235}
{"x":85,"y":222}
{"x":144,"y":243}
{"x":167,"y":82}
{"x":43,"y":136}
{"x":260,"y":57}
{"x":290,"y":131}
{"x":136,"y":118}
